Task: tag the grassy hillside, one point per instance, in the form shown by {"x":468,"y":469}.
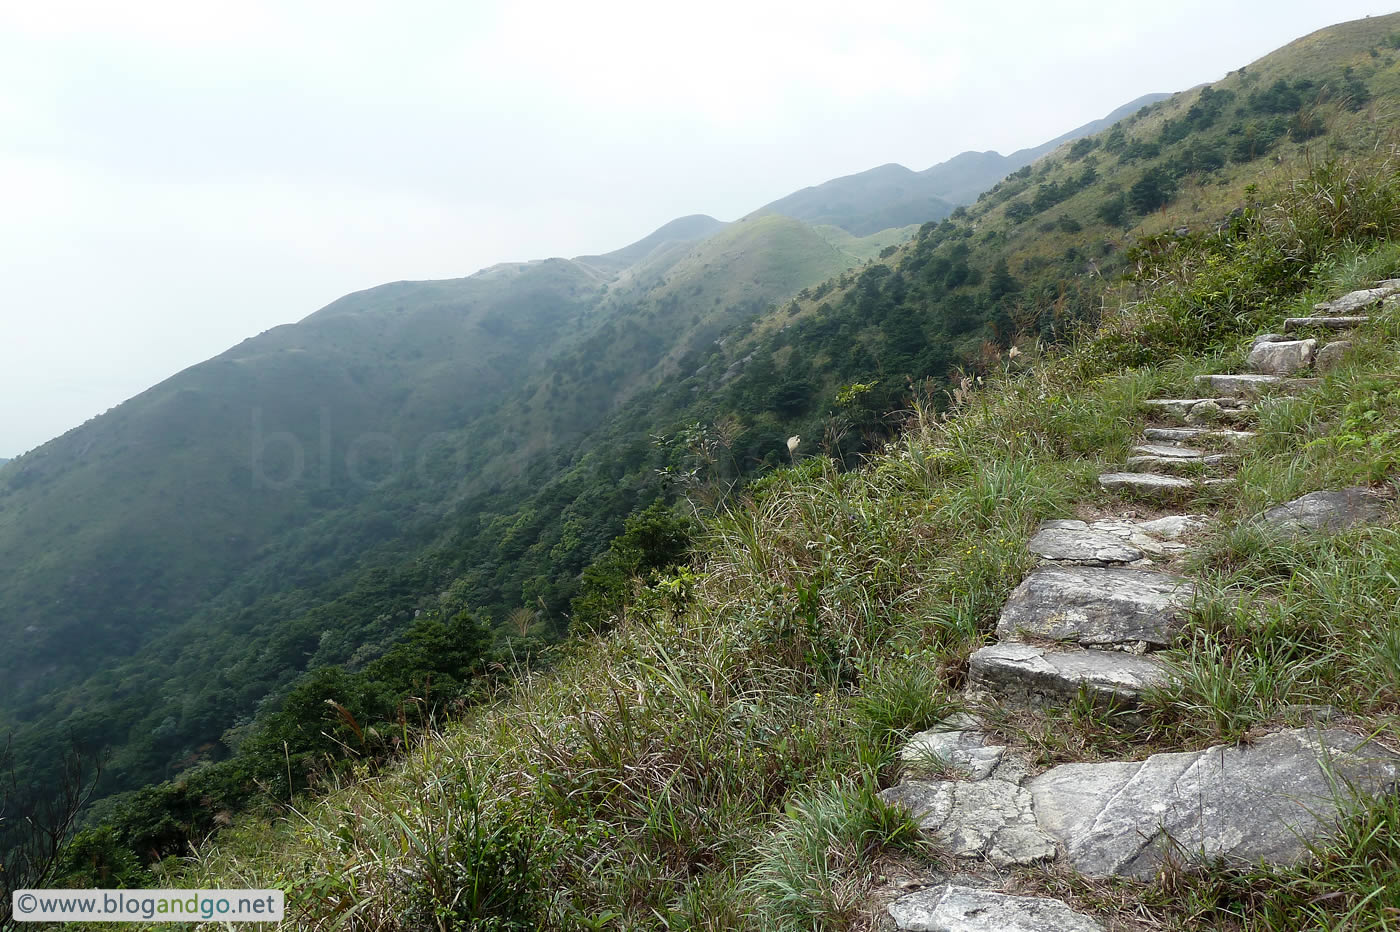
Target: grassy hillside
{"x":712,"y":763}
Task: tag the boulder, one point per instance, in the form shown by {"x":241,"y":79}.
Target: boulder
{"x":1282,"y":358}
{"x":1330,"y":356}
{"x":1328,"y":511}
{"x":966,"y":909}
{"x":1245,"y":805}
{"x":1097,"y":606}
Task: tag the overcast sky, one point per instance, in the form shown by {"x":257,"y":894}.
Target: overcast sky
{"x":176,"y":175}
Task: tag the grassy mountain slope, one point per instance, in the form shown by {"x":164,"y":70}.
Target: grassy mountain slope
{"x":713,"y":762}
{"x":894,"y":196}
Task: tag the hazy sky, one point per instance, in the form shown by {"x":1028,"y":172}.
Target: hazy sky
{"x":176,"y":175}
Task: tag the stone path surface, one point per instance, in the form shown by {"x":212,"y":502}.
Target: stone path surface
{"x":953,"y":908}
{"x":1087,"y":622}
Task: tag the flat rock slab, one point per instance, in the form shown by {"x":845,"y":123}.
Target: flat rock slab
{"x":1281,"y":357}
{"x":967,"y":909}
{"x":1248,"y":385}
{"x":1246,"y":805}
{"x":992,"y":819}
{"x":1027,"y":672}
{"x":1356,"y":300}
{"x":1082,"y":545}
{"x":1097,"y":606}
{"x":1326,"y":323}
{"x":963,"y":749}
{"x":1328,"y":511}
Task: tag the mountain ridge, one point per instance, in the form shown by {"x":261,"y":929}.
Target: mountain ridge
{"x":906,"y":196}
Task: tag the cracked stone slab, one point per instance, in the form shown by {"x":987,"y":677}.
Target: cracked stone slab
{"x":1097,"y":606}
{"x":964,"y":749}
{"x":955,"y":908}
{"x":1247,"y":805}
{"x":1081,"y":545}
{"x":1357,"y":300}
{"x":1247,"y":385}
{"x":992,"y":819}
{"x":1190,"y":434}
{"x":1031,"y":672}
{"x":1330,"y":356}
{"x":1281,"y":357}
{"x":1328,"y":511}
{"x":1325,"y":323}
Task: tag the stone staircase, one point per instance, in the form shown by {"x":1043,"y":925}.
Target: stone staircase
{"x":1087,"y":624}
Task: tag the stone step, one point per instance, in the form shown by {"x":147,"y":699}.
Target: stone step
{"x":1189,"y":434}
{"x":1075,"y":542}
{"x":953,"y":908}
{"x":1144,"y":463}
{"x":1080,"y":542}
{"x":1155,"y":485}
{"x":1201,"y":410}
{"x":1168,"y":451}
{"x":1029,"y":674}
{"x":1097,"y":606}
{"x":1242,"y":804}
{"x":1326,"y":323}
{"x":1358,"y":300}
{"x":1148,"y":484}
{"x":1246,"y":385}
{"x":1276,"y":355}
